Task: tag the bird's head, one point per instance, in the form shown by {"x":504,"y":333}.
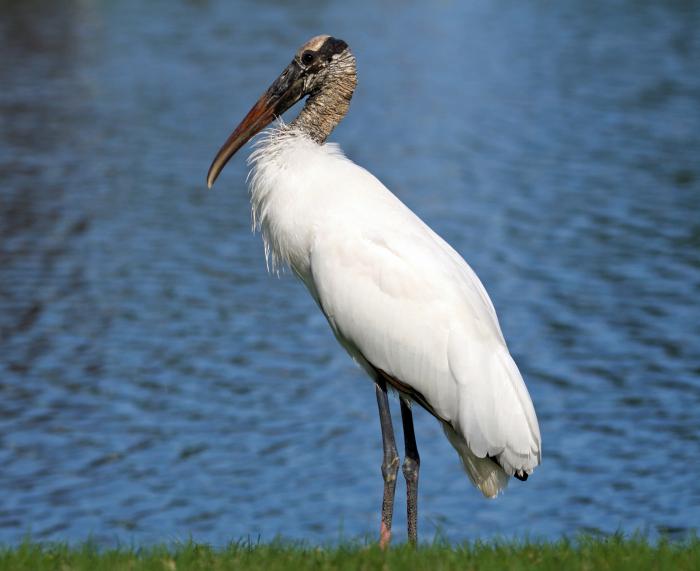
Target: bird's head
{"x":321,"y":63}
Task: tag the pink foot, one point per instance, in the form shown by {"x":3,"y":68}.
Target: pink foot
{"x":384,"y":536}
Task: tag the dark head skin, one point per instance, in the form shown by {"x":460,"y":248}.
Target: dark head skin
{"x":308,"y":73}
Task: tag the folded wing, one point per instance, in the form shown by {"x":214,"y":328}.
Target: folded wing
{"x":402,"y":301}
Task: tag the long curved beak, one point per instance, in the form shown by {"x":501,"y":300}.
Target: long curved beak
{"x":281,"y":95}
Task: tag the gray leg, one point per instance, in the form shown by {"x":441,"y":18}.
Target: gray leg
{"x":411,"y":466}
{"x":390,"y":464}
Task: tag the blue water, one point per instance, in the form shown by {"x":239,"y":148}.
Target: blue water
{"x":156,"y":383}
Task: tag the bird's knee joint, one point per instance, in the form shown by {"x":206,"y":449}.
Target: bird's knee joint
{"x":410,"y":469}
{"x":390,"y":468}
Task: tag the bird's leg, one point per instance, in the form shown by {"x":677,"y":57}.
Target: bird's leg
{"x":390,"y":464}
{"x":411,"y":466}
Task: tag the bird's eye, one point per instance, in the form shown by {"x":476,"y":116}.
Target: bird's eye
{"x":307,"y":58}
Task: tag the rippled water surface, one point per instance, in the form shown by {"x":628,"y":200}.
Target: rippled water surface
{"x":157,"y":383}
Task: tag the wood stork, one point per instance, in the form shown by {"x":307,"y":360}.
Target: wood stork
{"x":398,"y":298}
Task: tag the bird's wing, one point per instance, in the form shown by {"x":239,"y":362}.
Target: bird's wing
{"x":399,"y":297}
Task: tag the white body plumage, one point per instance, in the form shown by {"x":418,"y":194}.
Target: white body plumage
{"x":398,"y":298}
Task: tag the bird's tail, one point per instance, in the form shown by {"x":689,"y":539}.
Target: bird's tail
{"x":484,"y":473}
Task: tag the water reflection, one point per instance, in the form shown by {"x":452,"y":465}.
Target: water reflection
{"x":157,"y":383}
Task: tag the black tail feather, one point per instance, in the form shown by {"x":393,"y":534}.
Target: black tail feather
{"x":519,"y":474}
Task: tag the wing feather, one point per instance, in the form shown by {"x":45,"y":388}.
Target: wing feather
{"x":401,"y":299}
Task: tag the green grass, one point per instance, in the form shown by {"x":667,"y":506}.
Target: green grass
{"x":614,"y":552}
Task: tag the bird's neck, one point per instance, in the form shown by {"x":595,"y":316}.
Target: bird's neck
{"x":326,"y":107}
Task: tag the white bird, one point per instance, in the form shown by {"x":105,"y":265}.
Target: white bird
{"x":398,"y":298}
